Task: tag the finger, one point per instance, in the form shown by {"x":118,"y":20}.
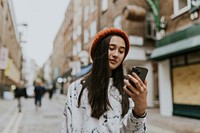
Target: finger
{"x":145,"y":82}
{"x":138,"y":83}
{"x":145,"y":85}
{"x":136,"y":76}
{"x":129,"y":86}
{"x":128,"y":92}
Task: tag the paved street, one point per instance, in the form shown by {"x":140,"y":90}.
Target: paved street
{"x":174,"y":124}
{"x":48,"y":119}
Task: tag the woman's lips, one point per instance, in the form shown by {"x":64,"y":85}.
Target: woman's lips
{"x":113,"y":61}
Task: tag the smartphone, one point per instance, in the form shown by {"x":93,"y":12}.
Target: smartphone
{"x":141,"y":73}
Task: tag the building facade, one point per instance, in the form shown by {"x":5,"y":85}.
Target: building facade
{"x":11,"y":53}
{"x":85,"y":18}
{"x":178,"y":57}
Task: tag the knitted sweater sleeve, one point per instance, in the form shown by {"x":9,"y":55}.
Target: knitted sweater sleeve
{"x":131,"y":124}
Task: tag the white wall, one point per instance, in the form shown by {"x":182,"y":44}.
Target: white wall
{"x":165,"y":89}
{"x":150,"y":85}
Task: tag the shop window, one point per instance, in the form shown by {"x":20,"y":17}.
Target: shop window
{"x":194,"y":57}
{"x":180,"y":7}
{"x":178,"y":61}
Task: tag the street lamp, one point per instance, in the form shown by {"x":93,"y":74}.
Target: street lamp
{"x":61,"y":81}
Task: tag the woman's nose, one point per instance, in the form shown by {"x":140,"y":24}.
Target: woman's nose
{"x":116,"y":53}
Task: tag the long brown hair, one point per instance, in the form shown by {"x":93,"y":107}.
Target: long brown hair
{"x":98,"y":79}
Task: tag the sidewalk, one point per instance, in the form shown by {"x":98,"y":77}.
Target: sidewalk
{"x":155,"y":122}
{"x":8,"y":108}
{"x":174,"y":124}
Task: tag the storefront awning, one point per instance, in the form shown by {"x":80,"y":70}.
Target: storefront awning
{"x":84,"y":71}
{"x":176,"y":48}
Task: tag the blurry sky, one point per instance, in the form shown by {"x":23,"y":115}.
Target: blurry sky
{"x":44,"y":18}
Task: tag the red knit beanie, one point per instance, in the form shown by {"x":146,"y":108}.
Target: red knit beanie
{"x":106,"y":32}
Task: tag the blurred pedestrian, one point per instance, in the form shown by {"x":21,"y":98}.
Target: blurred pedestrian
{"x":20,"y":91}
{"x":39,"y":92}
{"x":51,"y":91}
{"x":99,"y":102}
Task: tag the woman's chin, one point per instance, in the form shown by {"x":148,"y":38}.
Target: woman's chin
{"x":112,"y":67}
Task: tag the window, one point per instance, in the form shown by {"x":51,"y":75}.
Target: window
{"x":195,"y":2}
{"x":150,"y":25}
{"x":79,"y":30}
{"x":178,"y":61}
{"x":93,"y":29}
{"x":136,"y":40}
{"x":80,"y":12}
{"x":186,"y":59}
{"x":92,"y":6}
{"x":104,"y":5}
{"x":86,"y":36}
{"x":86,"y":13}
{"x":180,"y":7}
{"x":117,"y":22}
{"x":74,"y":35}
{"x":194,"y":57}
{"x":76,"y":48}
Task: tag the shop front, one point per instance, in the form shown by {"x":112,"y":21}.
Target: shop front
{"x":180,"y":52}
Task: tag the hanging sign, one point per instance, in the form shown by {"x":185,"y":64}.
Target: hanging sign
{"x":3,"y":58}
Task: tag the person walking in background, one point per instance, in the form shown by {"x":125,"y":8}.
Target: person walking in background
{"x":39,"y":92}
{"x":20,"y":91}
{"x":51,"y":91}
{"x":99,"y":102}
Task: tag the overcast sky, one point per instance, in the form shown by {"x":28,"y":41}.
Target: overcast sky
{"x":44,"y":18}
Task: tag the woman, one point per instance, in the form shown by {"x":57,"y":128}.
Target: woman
{"x":99,"y":102}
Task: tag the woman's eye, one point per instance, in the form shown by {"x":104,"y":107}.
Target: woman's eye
{"x":111,"y":48}
{"x":121,"y":51}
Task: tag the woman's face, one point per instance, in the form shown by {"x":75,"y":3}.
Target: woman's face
{"x":116,"y":52}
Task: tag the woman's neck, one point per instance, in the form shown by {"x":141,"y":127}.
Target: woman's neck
{"x":110,"y":73}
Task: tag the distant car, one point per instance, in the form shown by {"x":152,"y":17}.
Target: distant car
{"x":30,"y":91}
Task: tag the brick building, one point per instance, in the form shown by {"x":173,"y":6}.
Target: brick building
{"x":85,"y":18}
{"x":11,"y":53}
{"x":178,"y":57}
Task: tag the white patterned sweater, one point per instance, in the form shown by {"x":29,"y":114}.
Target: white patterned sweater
{"x":79,"y":120}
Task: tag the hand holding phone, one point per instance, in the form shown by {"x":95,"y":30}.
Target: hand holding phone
{"x":141,"y":73}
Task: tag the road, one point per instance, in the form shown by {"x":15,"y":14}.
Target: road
{"x":47,"y":119}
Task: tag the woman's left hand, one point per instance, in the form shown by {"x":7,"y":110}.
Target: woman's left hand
{"x":138,"y":93}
